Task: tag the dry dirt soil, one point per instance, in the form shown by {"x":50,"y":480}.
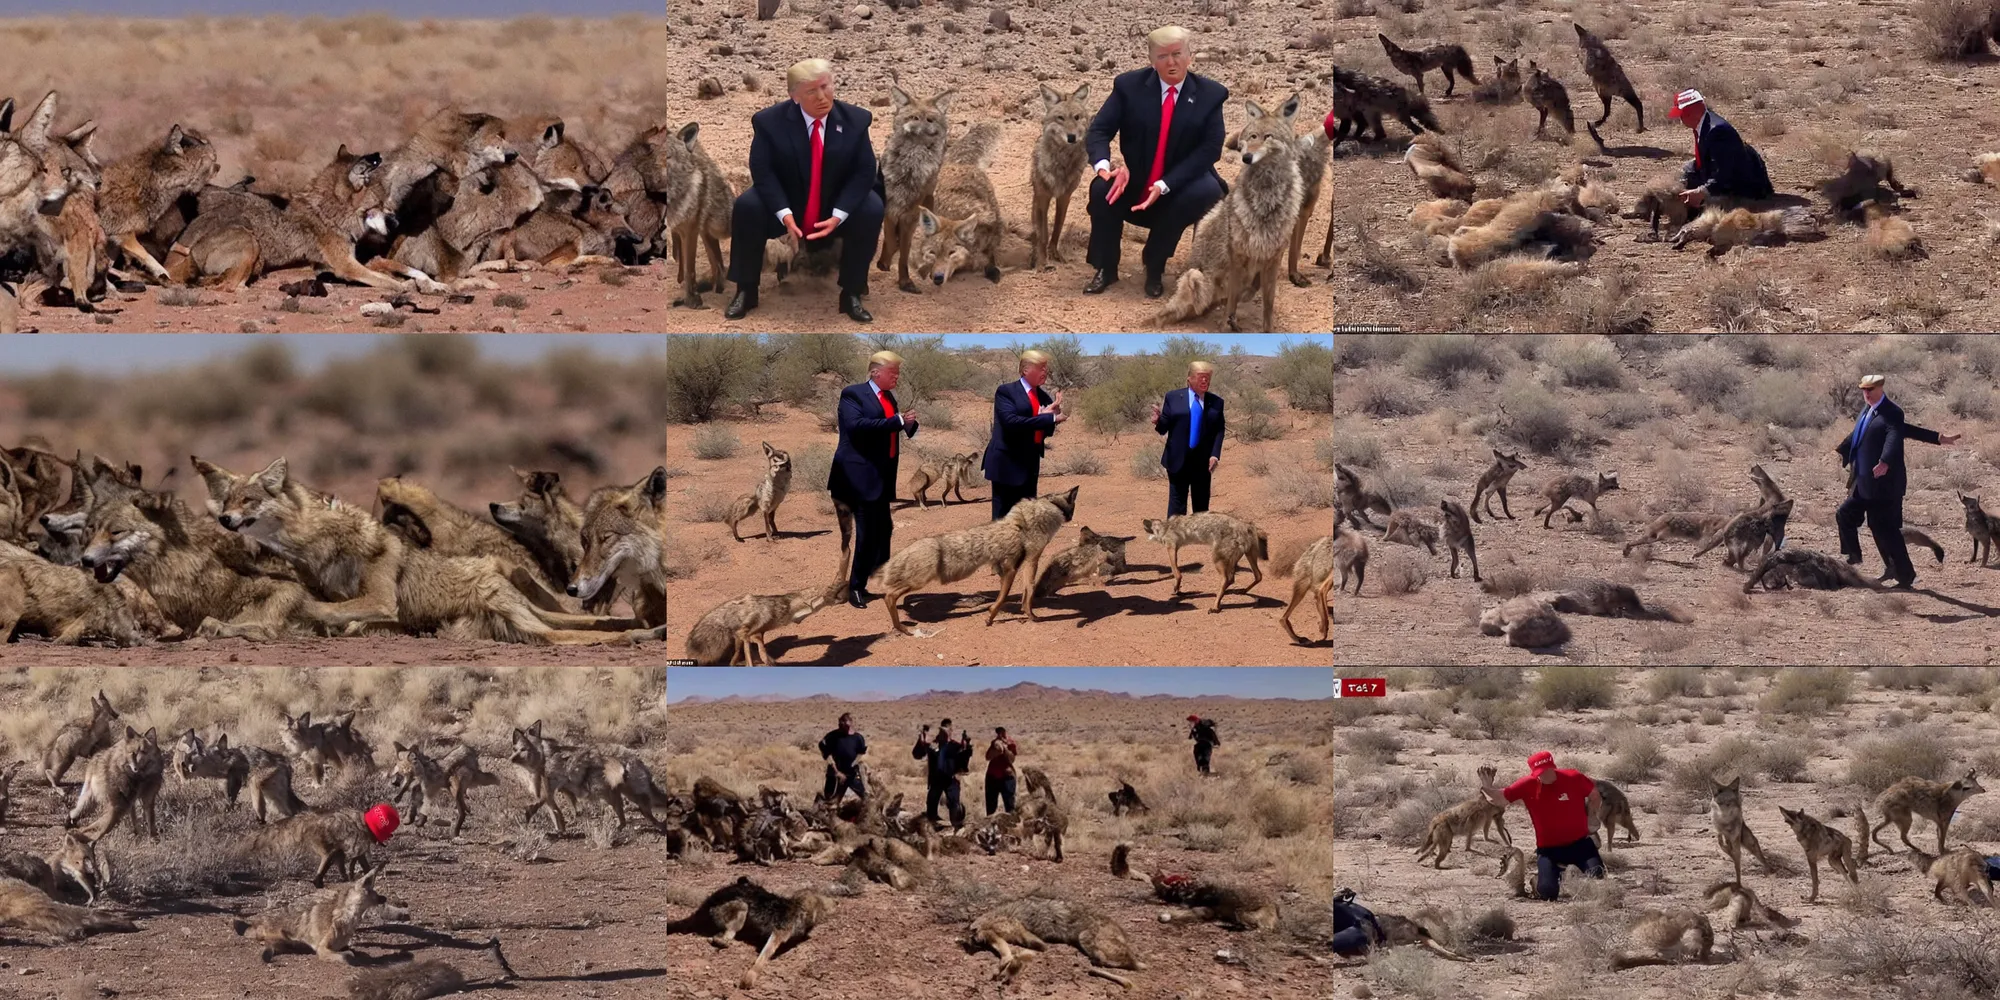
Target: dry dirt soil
{"x":428,"y":408}
{"x":577,"y":915}
{"x":1798,"y":79}
{"x":889,"y":944}
{"x":1822,"y":740}
{"x":1083,"y":625}
{"x":1424,"y":441}
{"x":278,"y":94}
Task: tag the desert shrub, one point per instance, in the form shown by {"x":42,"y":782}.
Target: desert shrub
{"x":810,"y":466}
{"x":707,"y":508}
{"x":1447,"y":358}
{"x":1362,"y":350}
{"x":1399,"y":571}
{"x":1478,"y":682}
{"x":1304,"y":370}
{"x":1145,"y":463}
{"x":1801,"y":691}
{"x":1574,"y":688}
{"x":1786,"y":400}
{"x":1356,"y":450}
{"x":1323,"y":450}
{"x":1972,"y":399}
{"x":1535,"y":419}
{"x":1387,"y":394}
{"x":803,"y":356}
{"x":1624,"y":410}
{"x":1076,"y":463}
{"x":705,"y":372}
{"x":715,"y":441}
{"x":1948,"y":30}
{"x":1786,"y":759}
{"x":1636,"y":757}
{"x":1890,"y":353}
{"x":1586,"y":364}
{"x":1069,"y":367}
{"x":1297,"y":487}
{"x":929,"y":367}
{"x":1705,"y":373}
{"x":1280,"y":812}
{"x":1883,"y":761}
{"x":1377,"y":745}
{"x":1674,"y":682}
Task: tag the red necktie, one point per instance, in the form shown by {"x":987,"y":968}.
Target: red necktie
{"x":1035,"y":407}
{"x":888,"y":409}
{"x":812,"y":193}
{"x":1160,"y":151}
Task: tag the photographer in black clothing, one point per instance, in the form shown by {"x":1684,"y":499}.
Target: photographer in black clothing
{"x":1205,"y":741}
{"x":843,"y":749}
{"x":944,"y":760}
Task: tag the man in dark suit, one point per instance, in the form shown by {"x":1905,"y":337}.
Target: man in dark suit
{"x":812,"y":175}
{"x":1192,"y":421}
{"x":863,"y":476}
{"x":1169,"y":127}
{"x":1024,"y":415}
{"x":1874,"y":451}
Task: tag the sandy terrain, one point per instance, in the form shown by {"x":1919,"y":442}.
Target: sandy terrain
{"x":1254,"y":822}
{"x":1822,"y":740}
{"x":278,"y":94}
{"x":1584,"y":405}
{"x":575,"y":914}
{"x":1799,"y":80}
{"x":1275,"y":483}
{"x":428,"y":408}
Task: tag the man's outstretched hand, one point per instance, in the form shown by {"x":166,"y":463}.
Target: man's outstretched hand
{"x":823,"y":227}
{"x":1118,"y":177}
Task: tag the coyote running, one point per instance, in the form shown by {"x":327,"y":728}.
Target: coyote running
{"x":1058,"y":163}
{"x":1368,"y":99}
{"x":959,"y":230}
{"x":1312,"y":579}
{"x":1006,"y":545}
{"x":735,"y":628}
{"x":422,"y":780}
{"x":1451,"y":59}
{"x":1559,"y":492}
{"x":1822,"y":841}
{"x":1031,"y":924}
{"x":1933,"y":800}
{"x":1753,"y":531}
{"x":1495,"y":479}
{"x":324,"y":922}
{"x":1094,"y":556}
{"x":1983,"y":527}
{"x":1243,"y":239}
{"x":1731,"y":832}
{"x":78,"y":739}
{"x":122,"y":781}
{"x":769,"y":494}
{"x":1956,"y":873}
{"x":911,"y":161}
{"x":266,"y":774}
{"x":549,"y":769}
{"x":746,"y":911}
{"x":1231,"y":540}
{"x":1607,"y":77}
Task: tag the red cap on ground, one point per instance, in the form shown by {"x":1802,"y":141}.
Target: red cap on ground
{"x":382,"y":821}
{"x":1194,"y":718}
{"x":1540,"y":762}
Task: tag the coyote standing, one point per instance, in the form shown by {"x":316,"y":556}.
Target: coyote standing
{"x":770,"y":493}
{"x":319,"y":744}
{"x":963,"y":233}
{"x":744,"y":910}
{"x":695,"y":208}
{"x":1006,"y":545}
{"x":140,"y":189}
{"x":122,"y":781}
{"x":1243,"y":239}
{"x":324,"y":922}
{"x":1547,"y":96}
{"x":1558,"y":493}
{"x":1983,"y":527}
{"x":1474,"y":815}
{"x":1312,"y":578}
{"x":1231,"y":540}
{"x":1058,"y":164}
{"x":735,"y":628}
{"x":910,"y":164}
{"x":1731,"y":832}
{"x":947,"y":474}
{"x":1617,"y":813}
{"x":1031,"y":924}
{"x":1822,"y":841}
{"x":1607,"y":77}
{"x":1496,"y":479}
{"x":78,"y":739}
{"x":268,"y":775}
{"x":549,"y":768}
{"x":1451,"y":59}
{"x":1933,"y":800}
{"x":330,"y":836}
{"x":1458,"y":535}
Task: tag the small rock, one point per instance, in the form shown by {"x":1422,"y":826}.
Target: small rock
{"x":708,"y":88}
{"x":1000,"y":20}
{"x":376,"y":309}
{"x":1362,"y":992}
{"x":862,"y":12}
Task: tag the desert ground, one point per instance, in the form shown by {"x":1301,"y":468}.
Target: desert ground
{"x":1680,"y":420}
{"x":278,"y":94}
{"x":1804,"y":83}
{"x":1259,"y":821}
{"x":428,"y":408}
{"x":576,"y":914}
{"x":1280,"y":482}
{"x":1823,"y":740}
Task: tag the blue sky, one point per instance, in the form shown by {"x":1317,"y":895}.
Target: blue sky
{"x":892,"y":682}
{"x":118,"y":352}
{"x":331,"y":8}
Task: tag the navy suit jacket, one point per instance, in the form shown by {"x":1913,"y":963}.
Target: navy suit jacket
{"x":1012,"y":456}
{"x":1882,"y":441}
{"x":781,"y":160}
{"x":1729,"y":166}
{"x":862,"y":470}
{"x":1132,"y":112}
{"x":1173,"y":422}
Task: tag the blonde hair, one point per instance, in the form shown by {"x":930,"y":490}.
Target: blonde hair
{"x":806,"y":71}
{"x":884,"y":359}
{"x":1033,"y":358}
{"x":1198,"y":367}
{"x":1167,"y":35}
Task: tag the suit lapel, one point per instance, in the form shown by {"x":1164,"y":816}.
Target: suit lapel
{"x":800,"y":144}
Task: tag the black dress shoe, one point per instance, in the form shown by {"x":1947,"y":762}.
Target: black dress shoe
{"x":1905,"y":585}
{"x":1100,"y":281}
{"x":741,"y":305}
{"x":851,"y":305}
{"x":857,"y":597}
{"x":1852,"y":560}
{"x":1155,"y":285}
{"x":1885,"y":578}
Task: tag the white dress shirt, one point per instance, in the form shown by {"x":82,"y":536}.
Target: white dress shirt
{"x":1161,"y":184}
{"x":837,"y":213}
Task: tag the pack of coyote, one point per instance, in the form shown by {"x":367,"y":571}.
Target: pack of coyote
{"x":90,"y":554}
{"x":469,"y":194}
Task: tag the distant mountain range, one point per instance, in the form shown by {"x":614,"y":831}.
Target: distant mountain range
{"x":1024,"y":689}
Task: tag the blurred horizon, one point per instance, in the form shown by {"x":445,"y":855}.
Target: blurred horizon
{"x":404,"y":10}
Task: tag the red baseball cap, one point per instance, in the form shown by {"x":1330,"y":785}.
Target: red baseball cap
{"x":382,"y":821}
{"x":1194,"y":718}
{"x":1542,"y":761}
{"x":1685,"y":101}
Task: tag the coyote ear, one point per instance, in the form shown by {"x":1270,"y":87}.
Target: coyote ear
{"x":552,"y":136}
{"x":35,"y":134}
{"x":536,"y":729}
{"x":944,"y":98}
{"x":1049,"y":97}
{"x":687,"y":133}
{"x":400,"y":748}
{"x":1255,"y":110}
{"x":897,"y":98}
{"x":1082,"y":93}
{"x":926,"y":222}
{"x":1290,"y":108}
{"x":176,"y":139}
{"x":7,"y":115}
{"x":654,"y":489}
{"x":968,"y":230}
{"x":221,"y":742}
{"x":272,"y":479}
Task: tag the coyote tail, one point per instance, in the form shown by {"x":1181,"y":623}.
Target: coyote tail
{"x":1194,"y":294}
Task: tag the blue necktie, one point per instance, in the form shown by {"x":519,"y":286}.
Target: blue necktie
{"x":1194,"y":420}
{"x":1859,"y":424}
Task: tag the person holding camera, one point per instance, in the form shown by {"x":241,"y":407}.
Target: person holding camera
{"x":944,"y":760}
{"x":842,"y":750}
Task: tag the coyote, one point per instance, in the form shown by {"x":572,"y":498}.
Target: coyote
{"x":1731,"y":832}
{"x":1230,"y":539}
{"x":29,"y":908}
{"x":319,"y":227}
{"x":122,"y":781}
{"x":1059,"y":162}
{"x":947,"y":474}
{"x":1547,"y":96}
{"x":1504,"y":87}
{"x":1094,"y":555}
{"x":1688,"y":524}
{"x":1983,"y":527}
{"x":1918,"y":539}
{"x":1659,"y":937}
{"x":1451,"y":59}
{"x":487,"y":206}
{"x":429,"y":781}
{"x":139,"y":190}
{"x":963,"y":233}
{"x":1660,"y":201}
{"x":693,"y":205}
{"x":1350,"y":554}
{"x":1474,"y":815}
{"x":1617,"y":813}
{"x":1031,"y":924}
{"x":1496,"y":479}
{"x":770,"y":493}
{"x":1398,"y":930}
{"x":550,"y":527}
{"x":429,"y":522}
{"x":1513,"y":860}
{"x":911,"y":164}
{"x":1822,"y":841}
{"x":588,"y":229}
{"x":324,"y":922}
{"x":549,"y":768}
{"x":78,"y":739}
{"x":1607,"y":76}
{"x":1750,"y":532}
{"x":736,"y":627}
{"x":1126,"y":799}
{"x":65,"y":604}
{"x":1312,"y":578}
{"x":329,"y":836}
{"x":319,"y":744}
{"x":1409,"y":528}
{"x":1559,"y":492}
{"x":746,"y":911}
{"x":1369,"y":98}
{"x":75,"y":859}
{"x":1956,"y":873}
{"x":1725,"y":229}
{"x":1985,"y":169}
{"x":7,"y":787}
{"x":1861,"y":181}
{"x":426,"y":979}
{"x":1933,"y":800}
{"x":1458,"y":535}
{"x":1240,"y":907}
{"x":1744,"y":909}
{"x":268,"y":775}
{"x":1006,"y":545}
{"x":623,"y":540}
{"x":1315,"y":156}
{"x":1243,"y":239}
{"x":1892,"y":238}
{"x":1494,"y":226}
{"x":1804,"y":568}
{"x":1356,"y":501}
{"x":1526,"y":622}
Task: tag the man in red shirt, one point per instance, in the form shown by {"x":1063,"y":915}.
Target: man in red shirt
{"x":1000,"y":756}
{"x":1561,"y":804}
